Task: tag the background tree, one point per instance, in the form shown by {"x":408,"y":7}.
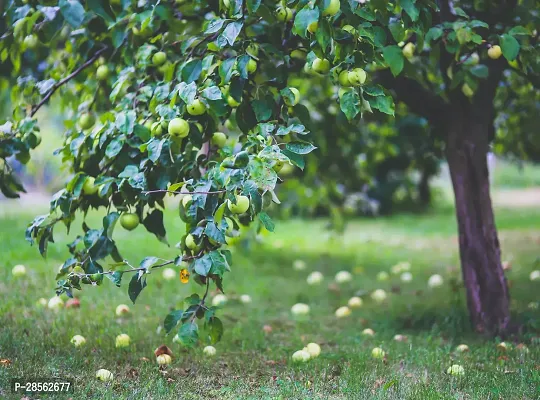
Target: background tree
{"x":147,"y":88}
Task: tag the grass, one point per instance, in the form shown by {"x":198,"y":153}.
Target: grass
{"x":252,"y":364}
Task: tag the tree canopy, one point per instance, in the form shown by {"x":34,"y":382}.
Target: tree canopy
{"x":208,"y":100}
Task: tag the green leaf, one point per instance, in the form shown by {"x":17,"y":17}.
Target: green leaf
{"x":384,"y":104}
{"x":230,"y":33}
{"x":188,"y":334}
{"x":365,"y":13}
{"x":480,"y":70}
{"x":253,"y":5}
{"x":212,"y":231}
{"x":172,"y":319}
{"x":212,"y":93}
{"x":215,"y":330}
{"x":397,"y":30}
{"x":154,"y":149}
{"x":509,"y":47}
{"x":323,"y":34}
{"x":115,"y":277}
{"x":114,"y":147}
{"x":373,"y":90}
{"x":148,"y":262}
{"x":214,"y":26}
{"x":394,"y":58}
{"x":154,"y":224}
{"x":220,"y":264}
{"x":136,"y":285}
{"x":226,"y":70}
{"x":410,"y":8}
{"x":202,"y":265}
{"x":300,"y":147}
{"x":459,"y":12}
{"x":98,"y":7}
{"x":303,"y":19}
{"x":262,"y":110}
{"x":187,"y":92}
{"x":109,"y":222}
{"x":192,"y":71}
{"x":519,"y":30}
{"x":296,"y":159}
{"x":434,"y":33}
{"x":72,"y":11}
{"x":350,"y":104}
{"x":267,"y":221}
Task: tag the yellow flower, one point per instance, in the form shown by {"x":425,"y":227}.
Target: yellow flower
{"x":184,"y":275}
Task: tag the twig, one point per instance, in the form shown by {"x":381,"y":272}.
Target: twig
{"x":62,"y":82}
{"x":168,"y":262}
{"x":174,"y":192}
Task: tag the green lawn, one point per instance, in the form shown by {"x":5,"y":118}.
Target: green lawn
{"x":253,"y":364}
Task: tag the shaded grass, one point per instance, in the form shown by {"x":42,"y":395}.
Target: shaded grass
{"x":253,"y":364}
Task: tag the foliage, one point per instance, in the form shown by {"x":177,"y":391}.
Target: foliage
{"x":146,"y":85}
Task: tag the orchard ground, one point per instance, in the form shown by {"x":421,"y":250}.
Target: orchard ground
{"x":252,"y":363}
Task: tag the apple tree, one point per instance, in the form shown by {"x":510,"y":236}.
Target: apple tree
{"x":200,"y":100}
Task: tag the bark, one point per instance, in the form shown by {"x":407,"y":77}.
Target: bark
{"x":485,"y":283}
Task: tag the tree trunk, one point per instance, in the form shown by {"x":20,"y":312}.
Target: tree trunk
{"x":487,"y":290}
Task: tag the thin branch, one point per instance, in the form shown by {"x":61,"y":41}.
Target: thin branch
{"x":62,"y":82}
{"x":167,"y":262}
{"x":174,"y":192}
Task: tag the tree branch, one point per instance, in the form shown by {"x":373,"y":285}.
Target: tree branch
{"x":174,"y":192}
{"x":62,"y":82}
{"x":419,"y":100}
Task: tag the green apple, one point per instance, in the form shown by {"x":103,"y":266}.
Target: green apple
{"x":349,"y":28}
{"x":104,"y":375}
{"x":178,"y":128}
{"x":219,"y":139}
{"x":102,"y":73}
{"x":18,"y":271}
{"x":332,"y":9}
{"x":163,"y":359}
{"x":298,"y":54}
{"x":253,"y":49}
{"x":408,"y":50}
{"x":296,"y":98}
{"x":494,"y":52}
{"x":196,"y":108}
{"x":357,"y":76}
{"x":251,"y":66}
{"x":209,"y":351}
{"x":312,"y":28}
{"x":343,"y":78}
{"x":159,"y":58}
{"x":212,"y":46}
{"x":284,"y":14}
{"x":87,"y":120}
{"x":241,"y":206}
{"x":467,"y":91}
{"x":148,"y":124}
{"x":122,"y":340}
{"x":129,"y":221}
{"x":89,"y":187}
{"x":232,"y":102}
{"x":278,"y":165}
{"x":30,"y":42}
{"x":377,"y":352}
{"x":186,"y":200}
{"x":190,"y":242}
{"x":38,"y":138}
{"x":157,"y":129}
{"x":321,"y":65}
